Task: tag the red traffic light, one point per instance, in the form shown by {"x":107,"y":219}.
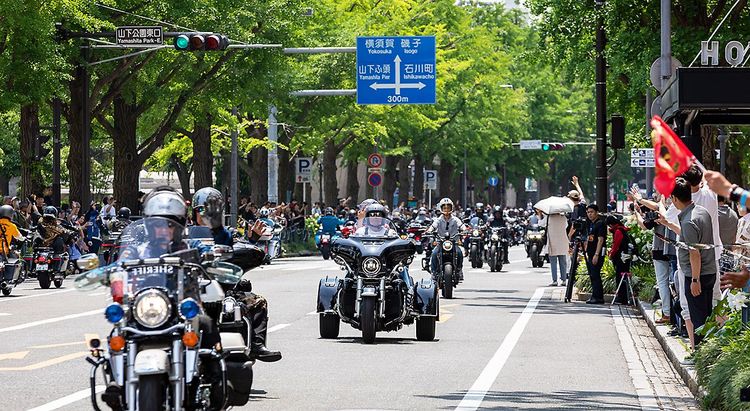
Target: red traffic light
{"x":217,"y":42}
{"x":200,"y":41}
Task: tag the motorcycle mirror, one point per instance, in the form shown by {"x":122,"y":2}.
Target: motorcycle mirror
{"x":88,"y":262}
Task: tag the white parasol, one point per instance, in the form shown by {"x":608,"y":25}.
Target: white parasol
{"x":555,"y":205}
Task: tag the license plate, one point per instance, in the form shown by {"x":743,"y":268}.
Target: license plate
{"x":42,"y":267}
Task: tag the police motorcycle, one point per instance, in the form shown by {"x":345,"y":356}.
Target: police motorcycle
{"x":270,"y":241}
{"x":10,"y":264}
{"x":535,"y":240}
{"x":376,"y":292}
{"x":111,"y":245}
{"x":160,"y":353}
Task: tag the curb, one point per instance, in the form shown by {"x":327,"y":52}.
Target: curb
{"x":674,"y":350}
{"x":305,"y":253}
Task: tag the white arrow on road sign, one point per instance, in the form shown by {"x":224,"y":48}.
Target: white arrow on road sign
{"x":397,"y":85}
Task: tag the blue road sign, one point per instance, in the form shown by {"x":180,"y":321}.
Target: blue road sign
{"x":493,"y":181}
{"x":396,"y":70}
{"x":374,"y":179}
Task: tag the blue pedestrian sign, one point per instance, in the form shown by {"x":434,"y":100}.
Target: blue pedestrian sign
{"x":492,"y":181}
{"x":396,"y":70}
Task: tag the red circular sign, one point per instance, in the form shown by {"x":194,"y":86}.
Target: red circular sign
{"x":374,"y":160}
{"x":374,"y":179}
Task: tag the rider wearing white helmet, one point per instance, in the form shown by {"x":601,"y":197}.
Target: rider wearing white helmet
{"x":450,"y":225}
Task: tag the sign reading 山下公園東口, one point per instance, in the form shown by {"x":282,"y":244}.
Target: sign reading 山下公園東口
{"x":139,"y":35}
{"x":396,"y":70}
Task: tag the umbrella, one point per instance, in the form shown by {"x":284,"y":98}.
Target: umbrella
{"x":555,"y":205}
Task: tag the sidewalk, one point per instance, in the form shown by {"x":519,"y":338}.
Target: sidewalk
{"x":658,"y":378}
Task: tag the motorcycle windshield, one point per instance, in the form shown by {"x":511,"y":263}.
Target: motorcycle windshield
{"x":376,"y":227}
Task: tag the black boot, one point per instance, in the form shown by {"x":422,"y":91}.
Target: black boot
{"x":258,"y":348}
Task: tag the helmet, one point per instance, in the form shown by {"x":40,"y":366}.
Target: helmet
{"x":264,"y":212}
{"x":479,"y":207}
{"x":498,"y":209}
{"x":396,"y":214}
{"x":329,"y":211}
{"x":123,"y":212}
{"x":208,"y":203}
{"x":375,"y":210}
{"x":363,"y":205}
{"x":422,"y":211}
{"x":445,"y":201}
{"x":50,"y":211}
{"x":165,"y":202}
{"x":6,"y":211}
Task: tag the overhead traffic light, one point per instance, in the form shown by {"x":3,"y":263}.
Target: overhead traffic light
{"x":40,"y":149}
{"x":552,"y":146}
{"x":618,"y":131}
{"x":201,"y":41}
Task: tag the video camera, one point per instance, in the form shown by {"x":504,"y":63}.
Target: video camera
{"x":649,"y":218}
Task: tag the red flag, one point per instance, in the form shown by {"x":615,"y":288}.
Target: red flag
{"x":672,"y":158}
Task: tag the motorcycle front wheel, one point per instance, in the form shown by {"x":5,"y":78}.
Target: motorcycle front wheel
{"x":448,"y":281}
{"x":151,"y":392}
{"x":367,"y":319}
{"x":534,"y":255}
{"x":493,"y":258}
{"x":58,"y":283}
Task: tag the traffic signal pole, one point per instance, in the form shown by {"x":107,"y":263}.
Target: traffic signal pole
{"x":601,"y":108}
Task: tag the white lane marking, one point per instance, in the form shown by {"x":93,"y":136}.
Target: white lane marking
{"x":312,"y":313}
{"x":638,"y":374}
{"x":97,"y":294}
{"x":278,"y":327}
{"x":474,"y":397}
{"x":37,"y":295}
{"x":5,"y":314}
{"x":50,"y":320}
{"x":68,"y":399}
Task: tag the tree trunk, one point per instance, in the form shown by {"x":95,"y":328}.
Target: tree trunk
{"x":126,"y":161}
{"x":183,"y":175}
{"x":419,"y":167}
{"x":75,"y":139}
{"x":445,"y":180}
{"x":710,"y":144}
{"x":352,"y":181}
{"x":404,"y":176}
{"x":390,"y":178}
{"x":330,"y":185}
{"x":203,"y":160}
{"x":259,"y":177}
{"x":31,"y":173}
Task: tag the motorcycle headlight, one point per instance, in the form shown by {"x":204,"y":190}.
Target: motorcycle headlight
{"x":371,"y":265}
{"x":494,"y":237}
{"x":447,"y":245}
{"x":475,"y":233}
{"x":228,"y":305}
{"x":152,"y":308}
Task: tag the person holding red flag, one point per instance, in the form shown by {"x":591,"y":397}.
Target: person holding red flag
{"x":672,"y":156}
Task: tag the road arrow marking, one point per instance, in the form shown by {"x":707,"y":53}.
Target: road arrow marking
{"x":20,"y":355}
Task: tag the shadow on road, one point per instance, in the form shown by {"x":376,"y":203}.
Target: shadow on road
{"x":530,"y":400}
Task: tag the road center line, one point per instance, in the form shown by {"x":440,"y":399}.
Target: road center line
{"x":51,"y":320}
{"x":67,"y":400}
{"x":474,"y":397}
{"x":278,"y":327}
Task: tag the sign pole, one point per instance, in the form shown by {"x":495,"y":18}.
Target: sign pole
{"x":430,"y":198}
{"x":304,"y":192}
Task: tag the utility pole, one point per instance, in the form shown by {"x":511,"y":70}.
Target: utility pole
{"x":273,"y":156}
{"x":666,"y":43}
{"x":233,"y":175}
{"x":649,"y":170}
{"x":601,"y":108}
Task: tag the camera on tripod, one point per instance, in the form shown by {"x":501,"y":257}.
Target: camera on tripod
{"x":578,"y":224}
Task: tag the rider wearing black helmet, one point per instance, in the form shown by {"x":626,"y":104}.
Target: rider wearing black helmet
{"x":122,"y":221}
{"x":53,"y":234}
{"x":208,"y":210}
{"x":498,"y":220}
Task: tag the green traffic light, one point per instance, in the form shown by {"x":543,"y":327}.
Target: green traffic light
{"x":182,"y":42}
{"x":545,"y":147}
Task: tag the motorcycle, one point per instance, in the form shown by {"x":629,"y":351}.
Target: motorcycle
{"x":476,"y":246}
{"x":496,"y":245}
{"x":415,"y":231}
{"x":447,"y":278}
{"x":154,"y":358}
{"x":535,"y":239}
{"x":49,"y":267}
{"x":376,"y":293}
{"x":324,"y":243}
{"x":271,"y":242}
{"x":111,"y":246}
{"x":10,"y":269}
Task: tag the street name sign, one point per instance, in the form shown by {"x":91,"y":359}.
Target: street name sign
{"x":642,"y":162}
{"x":430,"y":179}
{"x":642,"y":157}
{"x":139,"y":35}
{"x":304,"y":169}
{"x":396,"y":70}
{"x":531,"y":144}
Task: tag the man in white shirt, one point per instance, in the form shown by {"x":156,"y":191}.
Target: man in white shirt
{"x":109,"y":210}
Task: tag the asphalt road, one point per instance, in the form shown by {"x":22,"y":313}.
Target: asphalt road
{"x":506,"y":341}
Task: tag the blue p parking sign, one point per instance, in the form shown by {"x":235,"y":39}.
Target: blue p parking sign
{"x":396,"y":70}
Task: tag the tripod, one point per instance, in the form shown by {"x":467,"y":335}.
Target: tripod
{"x":577,"y":245}
{"x":626,"y":280}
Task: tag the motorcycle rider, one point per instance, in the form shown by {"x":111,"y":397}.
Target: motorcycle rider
{"x":375,"y":223}
{"x":329,"y":224}
{"x":208,"y":208}
{"x":451,"y":225}
{"x":398,"y":222}
{"x":478,"y":218}
{"x":122,"y":220}
{"x":498,"y":220}
{"x":53,"y":234}
{"x":8,"y":230}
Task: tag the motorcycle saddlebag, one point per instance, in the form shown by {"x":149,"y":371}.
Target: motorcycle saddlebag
{"x":12,"y":270}
{"x":247,"y":256}
{"x":240,"y":382}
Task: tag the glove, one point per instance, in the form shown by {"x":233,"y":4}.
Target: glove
{"x":244,"y":285}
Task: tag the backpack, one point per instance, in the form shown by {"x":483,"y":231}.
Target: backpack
{"x":628,"y":247}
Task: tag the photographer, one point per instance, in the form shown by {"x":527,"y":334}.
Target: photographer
{"x":621,"y":255}
{"x":596,"y":239}
{"x":579,"y":206}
